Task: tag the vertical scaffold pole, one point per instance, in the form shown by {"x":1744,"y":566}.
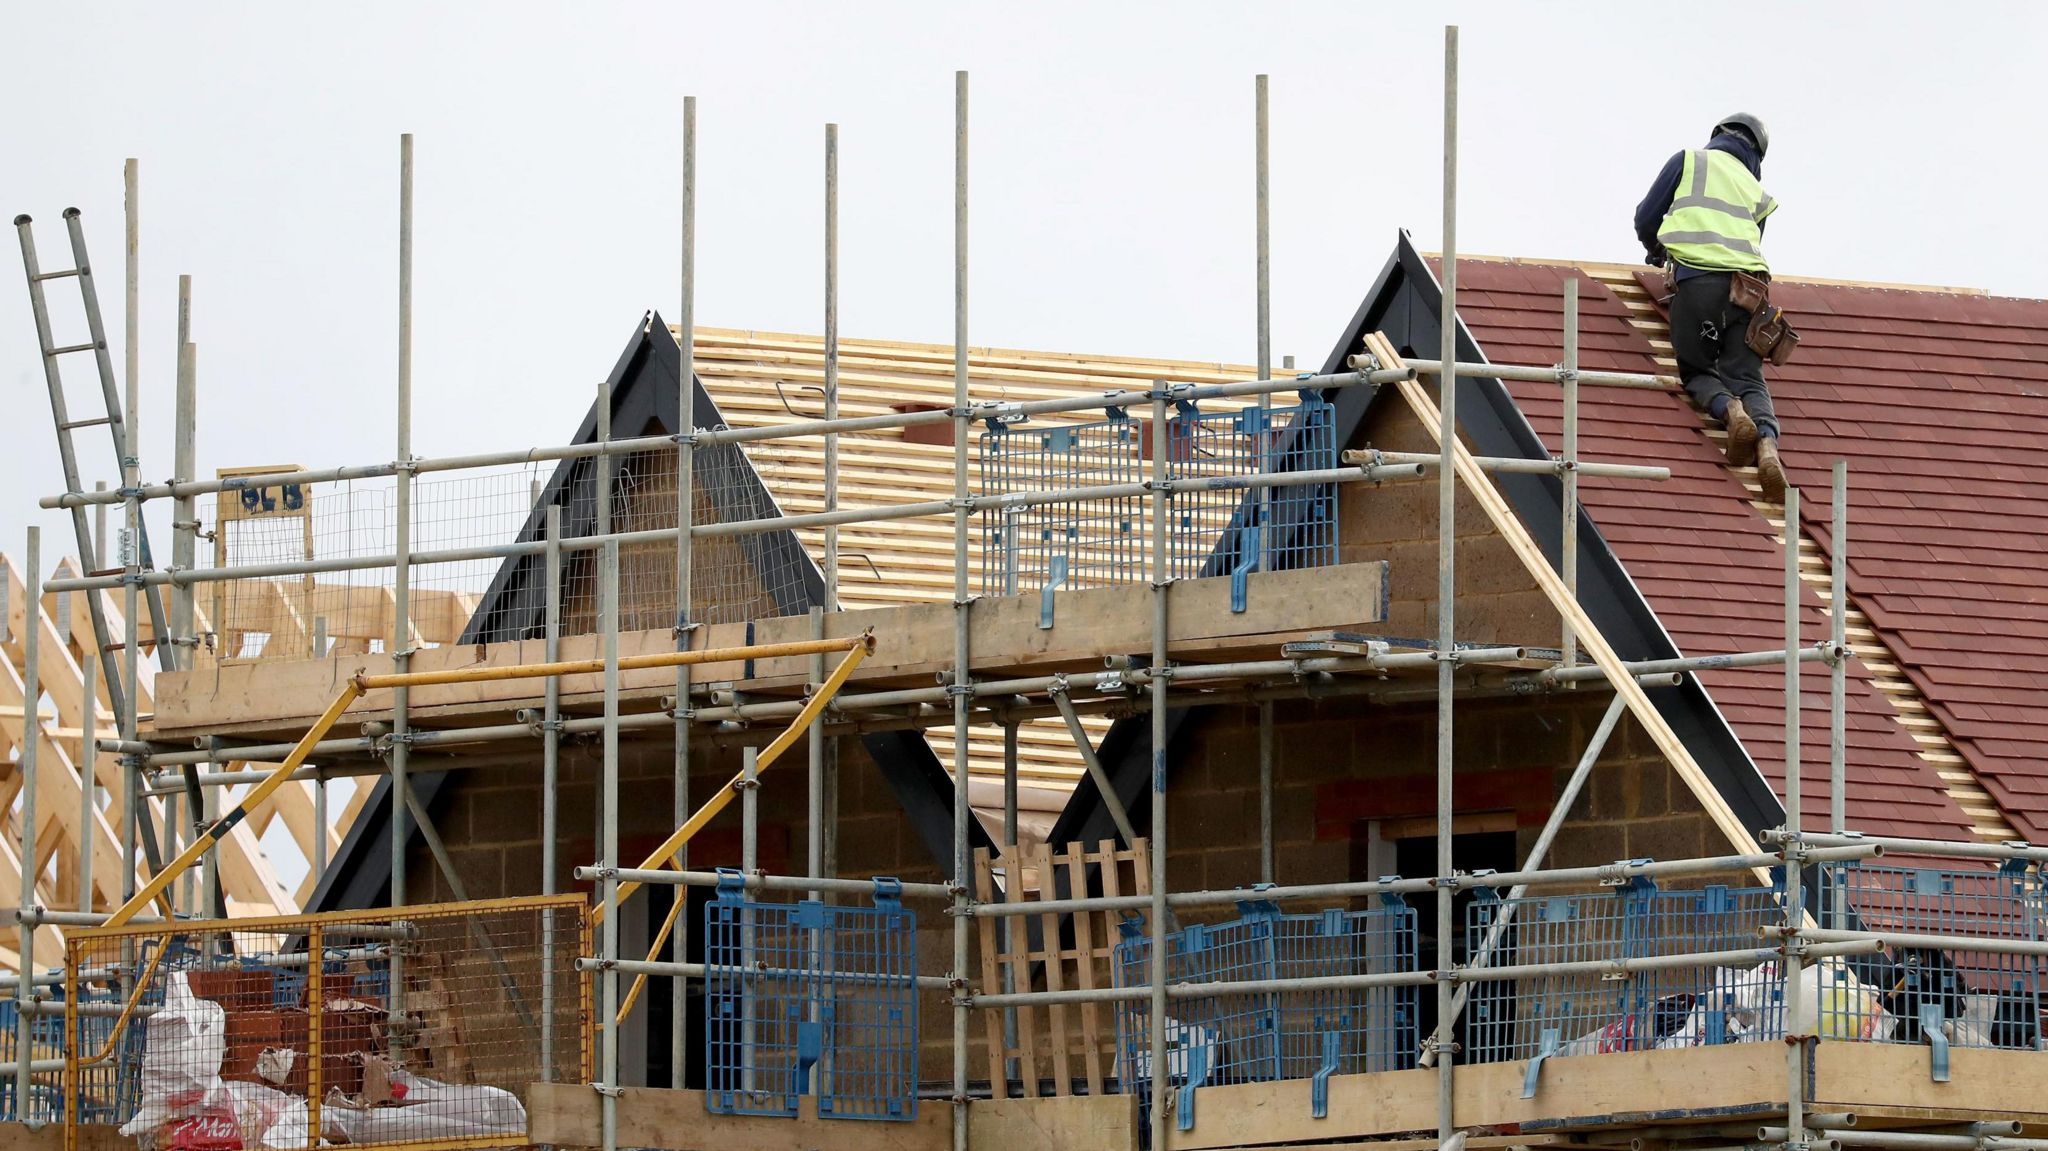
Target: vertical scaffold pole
{"x":962,"y":605}
{"x":1267,"y":438}
{"x":1265,"y":256}
{"x":1795,"y":888}
{"x":1838,"y":633}
{"x":1161,"y":1079}
{"x":401,"y":571}
{"x":608,"y":802}
{"x":89,"y":718}
{"x":32,"y":726}
{"x":550,"y":773}
{"x":1568,"y":375}
{"x":1267,"y":865}
{"x":184,"y":462}
{"x":131,"y":474}
{"x":1446,"y":588}
{"x":686,"y":464}
{"x":824,"y":748}
{"x":1261,"y":195}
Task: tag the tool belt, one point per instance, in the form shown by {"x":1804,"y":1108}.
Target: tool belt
{"x":1770,"y":333}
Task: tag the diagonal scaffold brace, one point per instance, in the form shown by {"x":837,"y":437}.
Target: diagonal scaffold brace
{"x":669,"y":854}
{"x":361,"y":685}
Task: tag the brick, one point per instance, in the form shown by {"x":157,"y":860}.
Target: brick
{"x":868,"y":845}
{"x":1672,"y":837}
{"x":1237,"y":867}
{"x":1215,"y":817}
{"x":1646,"y":788}
{"x":1589,"y":844}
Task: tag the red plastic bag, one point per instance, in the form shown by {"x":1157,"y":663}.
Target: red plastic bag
{"x":213,"y":1129}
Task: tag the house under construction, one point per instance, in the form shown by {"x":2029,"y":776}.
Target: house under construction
{"x":873,"y":744}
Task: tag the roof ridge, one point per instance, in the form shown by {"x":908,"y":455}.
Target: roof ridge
{"x":1609,"y":267}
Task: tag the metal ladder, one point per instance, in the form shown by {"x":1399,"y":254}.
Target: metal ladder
{"x":67,"y":450}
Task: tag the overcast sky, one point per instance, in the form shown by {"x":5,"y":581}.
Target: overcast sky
{"x":1112,"y":179}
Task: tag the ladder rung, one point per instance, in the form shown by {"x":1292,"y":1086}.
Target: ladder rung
{"x":40,"y":276}
{"x":68,"y":349}
{"x":71,"y":424}
{"x":105,"y":572}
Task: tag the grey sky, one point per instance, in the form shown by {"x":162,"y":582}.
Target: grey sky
{"x":1112,"y":189}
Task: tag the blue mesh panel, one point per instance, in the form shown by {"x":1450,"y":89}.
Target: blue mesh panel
{"x":809,"y":998}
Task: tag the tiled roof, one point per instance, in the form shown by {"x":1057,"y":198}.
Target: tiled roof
{"x":1931,"y":397}
{"x":1939,"y":401}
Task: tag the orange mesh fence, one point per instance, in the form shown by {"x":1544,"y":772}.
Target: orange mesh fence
{"x":415,"y":1027}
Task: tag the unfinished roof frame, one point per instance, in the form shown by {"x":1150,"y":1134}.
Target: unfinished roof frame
{"x":1468,"y":399}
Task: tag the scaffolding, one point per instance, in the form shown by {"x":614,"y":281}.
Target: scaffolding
{"x":818,"y":997}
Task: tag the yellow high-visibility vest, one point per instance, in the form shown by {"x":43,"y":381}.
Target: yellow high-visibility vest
{"x":1715,"y":218}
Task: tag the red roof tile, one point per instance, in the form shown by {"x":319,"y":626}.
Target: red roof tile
{"x":1940,"y":552}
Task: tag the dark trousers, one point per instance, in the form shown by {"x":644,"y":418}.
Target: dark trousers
{"x":1714,"y":358}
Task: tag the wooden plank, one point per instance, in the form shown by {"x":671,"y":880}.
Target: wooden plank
{"x":1018,"y":956}
{"x":914,"y":640}
{"x":286,"y":694}
{"x":1052,"y":957}
{"x":991,"y":981}
{"x":1061,"y":1123}
{"x":1595,"y":645}
{"x":1084,"y":952}
{"x":1982,"y":1082}
{"x":50,"y":1137}
{"x":567,"y":1115}
{"x":1590,"y":1090}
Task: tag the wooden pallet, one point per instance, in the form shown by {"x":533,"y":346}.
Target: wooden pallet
{"x":1054,"y":951}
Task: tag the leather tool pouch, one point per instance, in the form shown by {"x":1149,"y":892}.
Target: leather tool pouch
{"x":1770,"y":334}
{"x":1750,"y":293}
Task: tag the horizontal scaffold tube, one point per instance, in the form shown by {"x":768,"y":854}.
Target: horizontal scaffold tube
{"x":982,"y":411}
{"x":757,"y":526}
{"x":1930,"y":847}
{"x":1923,"y":1140}
{"x":1551,"y":375}
{"x":659,"y":968}
{"x":1987,"y":944}
{"x":369,"y":683}
{"x":1820,"y":652}
{"x":1373,"y":457}
{"x":853,"y":887}
{"x":1748,"y":957}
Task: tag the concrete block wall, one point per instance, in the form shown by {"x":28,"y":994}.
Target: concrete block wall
{"x":1341,"y":763}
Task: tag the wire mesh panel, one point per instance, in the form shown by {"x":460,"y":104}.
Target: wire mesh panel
{"x":1963,"y":996}
{"x":1520,"y":1018}
{"x":810,"y":998}
{"x":417,"y":1026}
{"x":351,"y":612}
{"x":54,"y":1041}
{"x":1219,"y":527}
{"x":1702,"y":1005}
{"x":1073,"y":543}
{"x":1587,"y":1013}
{"x":1233,"y":1037}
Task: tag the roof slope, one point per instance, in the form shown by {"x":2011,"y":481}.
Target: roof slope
{"x":1711,"y":563}
{"x":1939,"y":401}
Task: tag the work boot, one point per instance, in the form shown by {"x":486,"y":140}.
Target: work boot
{"x":1770,"y":472}
{"x":1742,"y":435}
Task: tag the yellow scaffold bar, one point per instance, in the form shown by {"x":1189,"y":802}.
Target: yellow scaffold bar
{"x":360,"y":684}
{"x":667,"y":854}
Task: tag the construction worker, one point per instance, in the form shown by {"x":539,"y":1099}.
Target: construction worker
{"x":1703,"y":222}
